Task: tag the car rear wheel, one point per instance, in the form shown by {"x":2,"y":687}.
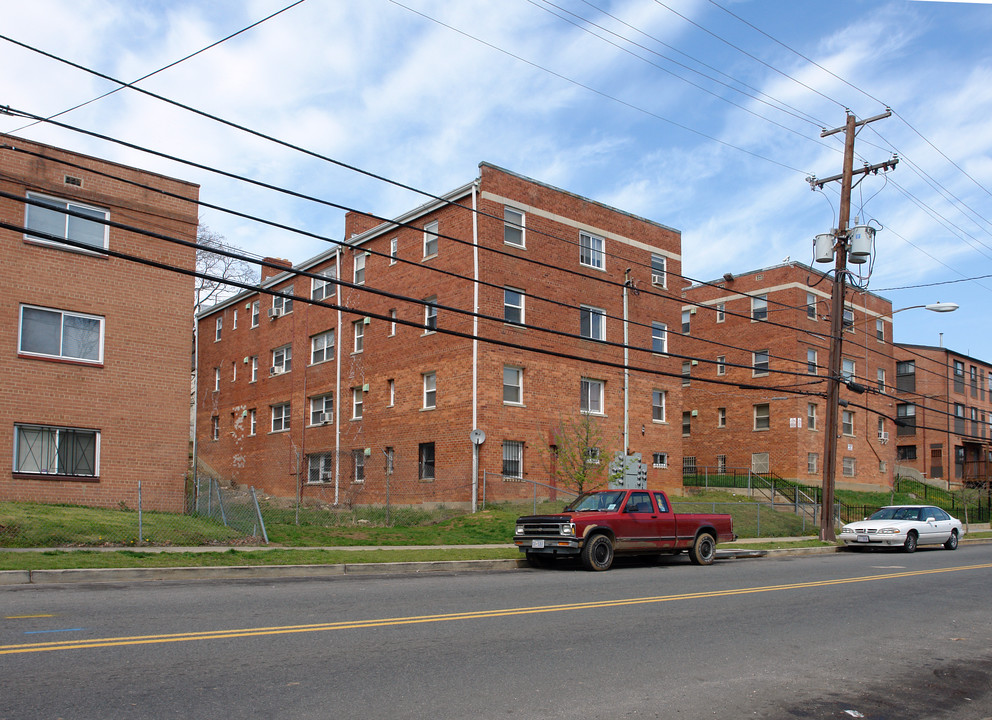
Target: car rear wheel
{"x":952,"y":541}
{"x":703,"y":550}
{"x":910,"y":544}
{"x":598,"y":553}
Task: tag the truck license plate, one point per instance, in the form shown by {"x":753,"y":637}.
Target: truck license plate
{"x":862,"y":538}
{"x":539,"y":544}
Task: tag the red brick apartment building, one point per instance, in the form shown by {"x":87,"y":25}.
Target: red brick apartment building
{"x":770,"y":328}
{"x":944,"y":402}
{"x":377,"y":399}
{"x":95,"y":347}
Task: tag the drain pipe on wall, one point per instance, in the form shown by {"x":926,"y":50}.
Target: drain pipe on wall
{"x":475,"y":344}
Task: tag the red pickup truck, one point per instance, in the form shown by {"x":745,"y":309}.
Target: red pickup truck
{"x":596,"y":526}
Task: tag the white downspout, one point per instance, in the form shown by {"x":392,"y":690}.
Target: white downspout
{"x":626,"y":369}
{"x":475,"y":344}
{"x":337,"y":381}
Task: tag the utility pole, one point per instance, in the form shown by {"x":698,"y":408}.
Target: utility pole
{"x":837,"y":310}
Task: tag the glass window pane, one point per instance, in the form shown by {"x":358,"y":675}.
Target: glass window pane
{"x":81,"y":338}
{"x":41,"y":331}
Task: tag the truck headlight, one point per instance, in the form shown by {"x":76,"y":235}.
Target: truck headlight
{"x":568,"y":529}
{"x":520,"y":530}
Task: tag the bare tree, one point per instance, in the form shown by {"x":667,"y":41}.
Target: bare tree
{"x":211,"y":292}
{"x":582,"y":458}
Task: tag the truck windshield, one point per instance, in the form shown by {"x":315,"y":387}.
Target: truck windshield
{"x":596,"y":501}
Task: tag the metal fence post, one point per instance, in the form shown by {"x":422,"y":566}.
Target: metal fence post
{"x":258,"y":513}
{"x":220,"y":503}
{"x":139,"y":513}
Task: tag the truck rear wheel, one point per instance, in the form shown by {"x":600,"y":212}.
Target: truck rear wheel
{"x":598,"y":553}
{"x":703,"y":550}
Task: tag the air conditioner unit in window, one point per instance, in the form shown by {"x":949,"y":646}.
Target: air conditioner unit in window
{"x":277,"y":370}
{"x":883,"y":437}
{"x":275,"y":312}
{"x":322,"y":418}
{"x":657,"y":279}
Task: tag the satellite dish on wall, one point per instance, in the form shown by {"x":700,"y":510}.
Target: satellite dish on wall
{"x":477,"y":436}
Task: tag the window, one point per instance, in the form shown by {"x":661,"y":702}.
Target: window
{"x":811,"y":306}
{"x":686,"y":423}
{"x":359,"y":329}
{"x":847,"y":370}
{"x":721,"y":312}
{"x":282,"y":305}
{"x":721,"y":464}
{"x":659,"y":267}
{"x":234,"y":371}
{"x":255,"y":311}
{"x":322,"y":347}
{"x":590,"y":455}
{"x":425,"y":461}
{"x":234,"y":325}
{"x":216,"y":379}
{"x":881,"y":380}
{"x":513,"y":459}
{"x":513,"y":306}
{"x":591,"y":400}
{"x":430,"y":314}
{"x":686,"y":372}
{"x":906,"y":376}
{"x":689,"y":465}
{"x":658,"y":405}
{"x":252,"y":422}
{"x":513,"y":378}
{"x":811,"y":363}
{"x":322,"y":409}
{"x":323,"y":289}
{"x":812,"y":463}
{"x":218,"y":327}
{"x":282,"y":360}
{"x":759,"y":307}
{"x":391,"y":391}
{"x":513,"y":227}
{"x":591,"y":251}
{"x":59,"y":334}
{"x":357,"y":403}
{"x":721,"y":364}
{"x":320,"y":468}
{"x":430,"y":390}
{"x":881,"y":428}
{"x":394,"y":248}
{"x":880,"y":329}
{"x":847,"y":422}
{"x":849,"y":466}
{"x":280,"y":417}
{"x":592,"y":323}
{"x":430,"y":239}
{"x":359,"y":268}
{"x":721,"y":417}
{"x":392,"y":322}
{"x":686,"y":321}
{"x":50,"y":218}
{"x":905,"y":419}
{"x":762,"y":416}
{"x":759,"y":363}
{"x":47,"y":450}
{"x":958,"y":376}
{"x":214,"y":428}
{"x":358,"y":461}
{"x":849,"y":320}
{"x":905,"y":452}
{"x":811,"y":416}
{"x":760,"y":462}
{"x":659,"y":337}
{"x":659,"y":460}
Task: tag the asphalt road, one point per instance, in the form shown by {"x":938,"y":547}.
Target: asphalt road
{"x":876,"y":635}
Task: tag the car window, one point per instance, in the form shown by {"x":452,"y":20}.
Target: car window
{"x":639,"y":502}
{"x":662,"y":505}
{"x":940,"y":514}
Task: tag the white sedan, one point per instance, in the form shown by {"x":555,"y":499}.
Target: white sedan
{"x":906,"y":526}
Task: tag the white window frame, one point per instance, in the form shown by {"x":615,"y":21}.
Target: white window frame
{"x":880,"y":380}
{"x":659,"y":338}
{"x":322,"y":343}
{"x":254,"y":368}
{"x":760,"y":363}
{"x":430,"y":239}
{"x":359,"y":330}
{"x":591,"y":394}
{"x":430,"y":391}
{"x":759,"y":308}
{"x":282,"y":357}
{"x":320,"y":468}
{"x":359,"y":267}
{"x":589,"y":315}
{"x":811,"y":306}
{"x":425,"y":470}
{"x":283,"y":304}
{"x":513,"y":380}
{"x":812,"y":362}
{"x":659,"y":271}
{"x":762,"y":421}
{"x":721,"y":364}
{"x":357,"y":403}
{"x":281,"y":417}
{"x":430,"y":315}
{"x":394,"y":248}
{"x":322,"y":405}
{"x":592,"y":250}
{"x":510,"y":309}
{"x":811,"y":416}
{"x":64,"y":316}
{"x":216,"y":379}
{"x":659,"y":400}
{"x":215,"y":427}
{"x":847,"y":420}
{"x":358,"y":460}
{"x":659,"y":459}
{"x":514,"y":224}
{"x":721,"y":417}
{"x":256,"y":311}
{"x":391,"y":391}
{"x":812,"y":463}
{"x":323,"y":289}
{"x":844,"y":374}
{"x":686,"y":322}
{"x":49,"y":440}
{"x":68,"y":222}
{"x":392,"y":322}
{"x":218,"y":327}
{"x":849,"y":466}
{"x":513,"y":459}
{"x":252,"y":422}
{"x":721,"y":312}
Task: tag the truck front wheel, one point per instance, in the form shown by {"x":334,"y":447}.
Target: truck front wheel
{"x":703,"y":550}
{"x":598,"y":553}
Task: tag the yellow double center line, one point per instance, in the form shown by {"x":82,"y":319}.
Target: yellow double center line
{"x":449,"y":617}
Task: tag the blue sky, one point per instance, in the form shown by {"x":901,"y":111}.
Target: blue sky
{"x":421,"y":91}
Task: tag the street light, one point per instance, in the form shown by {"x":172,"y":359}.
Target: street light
{"x":830,"y":441}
